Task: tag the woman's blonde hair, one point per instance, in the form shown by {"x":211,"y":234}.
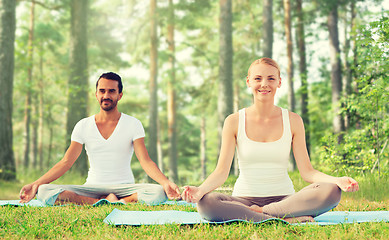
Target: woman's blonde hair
{"x":267,"y":61}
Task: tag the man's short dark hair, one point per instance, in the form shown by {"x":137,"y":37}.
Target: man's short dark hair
{"x":112,"y":76}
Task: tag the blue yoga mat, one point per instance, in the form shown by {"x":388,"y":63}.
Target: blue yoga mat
{"x":37,"y":203}
{"x":137,"y":218}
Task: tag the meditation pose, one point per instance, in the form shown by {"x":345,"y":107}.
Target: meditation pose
{"x":110,"y":138}
{"x":263,"y":135}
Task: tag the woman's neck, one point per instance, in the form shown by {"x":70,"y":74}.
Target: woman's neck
{"x":263,"y":110}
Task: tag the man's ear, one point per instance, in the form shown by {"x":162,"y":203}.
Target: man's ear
{"x":120,"y":95}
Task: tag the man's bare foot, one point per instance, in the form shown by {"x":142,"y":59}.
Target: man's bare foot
{"x":256,"y":208}
{"x":301,"y":219}
{"x":122,"y":201}
{"x":112,"y":198}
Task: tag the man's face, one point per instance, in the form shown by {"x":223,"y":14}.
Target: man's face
{"x":107,"y":93}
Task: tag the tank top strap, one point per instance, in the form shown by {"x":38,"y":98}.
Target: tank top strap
{"x":286,"y":122}
{"x":241,"y":124}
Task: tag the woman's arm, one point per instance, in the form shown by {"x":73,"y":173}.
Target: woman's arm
{"x":220,"y":174}
{"x":307,"y":172}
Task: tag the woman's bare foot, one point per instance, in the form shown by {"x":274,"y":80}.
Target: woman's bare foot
{"x":256,"y":208}
{"x":301,"y":219}
{"x":112,"y":198}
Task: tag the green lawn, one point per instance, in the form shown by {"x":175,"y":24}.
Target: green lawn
{"x":85,"y":222}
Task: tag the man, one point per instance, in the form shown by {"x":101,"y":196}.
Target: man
{"x":110,"y":138}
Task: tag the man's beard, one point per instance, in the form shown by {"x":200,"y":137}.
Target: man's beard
{"x":110,"y":107}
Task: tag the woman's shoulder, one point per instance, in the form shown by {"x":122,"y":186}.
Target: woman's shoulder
{"x":232,"y":118}
{"x":295,"y":121}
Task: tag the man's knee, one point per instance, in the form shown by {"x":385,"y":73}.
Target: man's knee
{"x":152,"y":194}
{"x":48,"y":193}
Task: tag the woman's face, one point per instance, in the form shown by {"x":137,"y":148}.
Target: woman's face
{"x":263,"y":80}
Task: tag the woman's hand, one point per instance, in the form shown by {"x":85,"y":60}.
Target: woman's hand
{"x":192,"y":194}
{"x":347,"y":184}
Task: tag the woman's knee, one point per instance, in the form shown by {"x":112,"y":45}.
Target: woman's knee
{"x":209,"y":206}
{"x":209,"y":199}
{"x":328,"y":193}
{"x":333,"y":192}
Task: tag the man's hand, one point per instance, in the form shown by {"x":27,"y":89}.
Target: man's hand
{"x":28,"y":192}
{"x":172,"y":191}
{"x":347,"y":184}
{"x":192,"y":194}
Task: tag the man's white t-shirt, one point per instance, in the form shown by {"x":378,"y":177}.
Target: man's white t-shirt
{"x":109,"y":159}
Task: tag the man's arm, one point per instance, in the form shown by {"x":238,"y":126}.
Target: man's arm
{"x":153,"y":171}
{"x":28,"y":191}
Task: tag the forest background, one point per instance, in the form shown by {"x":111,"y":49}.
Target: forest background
{"x":183,"y":65}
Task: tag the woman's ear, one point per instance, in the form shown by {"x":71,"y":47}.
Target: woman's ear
{"x":279,"y":83}
{"x":247,"y":81}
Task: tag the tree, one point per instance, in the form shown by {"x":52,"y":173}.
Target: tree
{"x":225,"y":97}
{"x":267,"y":19}
{"x":78,"y":77}
{"x":171,"y":102}
{"x":28,"y":103}
{"x":303,"y":70}
{"x":153,"y":85}
{"x":289,"y":47}
{"x":347,"y":76}
{"x":336,"y":71}
{"x":7,"y":39}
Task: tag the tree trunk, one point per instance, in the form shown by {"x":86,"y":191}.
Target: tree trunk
{"x":41,"y":114}
{"x":303,"y":71}
{"x":161,"y":166}
{"x":267,"y":20}
{"x":336,"y":72}
{"x":347,"y":77}
{"x":236,"y":109}
{"x":153,"y":85}
{"x":289,"y":47}
{"x":354,"y":48}
{"x":27,"y":105}
{"x":34,"y":124}
{"x":225,"y":97}
{"x":203,"y":147}
{"x":78,"y":79}
{"x":7,"y":40}
{"x":171,"y":101}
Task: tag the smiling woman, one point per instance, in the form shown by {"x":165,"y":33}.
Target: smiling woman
{"x":263,"y":135}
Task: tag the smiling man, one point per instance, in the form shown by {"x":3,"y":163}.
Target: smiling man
{"x":110,"y":138}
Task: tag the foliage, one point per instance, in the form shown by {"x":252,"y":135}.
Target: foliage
{"x":363,"y":145}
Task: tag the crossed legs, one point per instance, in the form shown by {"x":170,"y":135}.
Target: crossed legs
{"x":72,"y":197}
{"x":89,"y":194}
{"x":309,"y":202}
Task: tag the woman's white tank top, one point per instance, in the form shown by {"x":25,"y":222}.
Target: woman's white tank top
{"x":263,"y":165}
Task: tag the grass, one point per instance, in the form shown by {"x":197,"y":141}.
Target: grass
{"x":86,"y":222}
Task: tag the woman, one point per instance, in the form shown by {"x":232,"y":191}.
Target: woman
{"x":263,"y":135}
